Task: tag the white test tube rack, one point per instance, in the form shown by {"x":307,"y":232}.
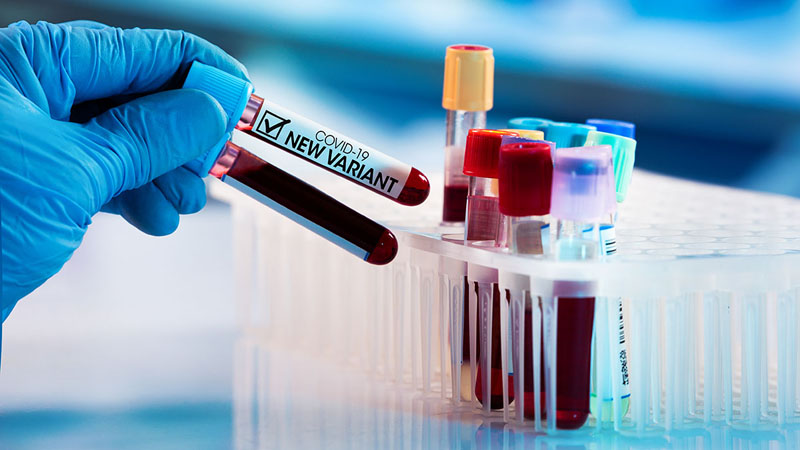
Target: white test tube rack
{"x":709,"y":277}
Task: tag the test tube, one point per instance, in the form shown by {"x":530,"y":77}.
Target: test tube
{"x":567,"y":134}
{"x":618,"y":127}
{"x":467,"y":95}
{"x":622,"y":151}
{"x":288,"y":195}
{"x":319,"y":145}
{"x":578,"y":202}
{"x":480,"y":164}
{"x":305,"y":204}
{"x":525,"y":176}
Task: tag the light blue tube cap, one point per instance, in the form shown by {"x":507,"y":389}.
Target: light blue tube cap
{"x":232,"y":94}
{"x":529,"y":123}
{"x":567,"y":134}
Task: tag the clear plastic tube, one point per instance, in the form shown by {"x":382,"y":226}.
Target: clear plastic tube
{"x":456,"y":184}
{"x":607,"y":248}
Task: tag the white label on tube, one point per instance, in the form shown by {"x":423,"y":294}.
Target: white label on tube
{"x":622,"y":354}
{"x":331,"y":150}
{"x":608,"y":239}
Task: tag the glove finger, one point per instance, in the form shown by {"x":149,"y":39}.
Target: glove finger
{"x":183,"y":189}
{"x":146,"y":138}
{"x":73,"y":64}
{"x":147,"y":209}
{"x":78,"y":63}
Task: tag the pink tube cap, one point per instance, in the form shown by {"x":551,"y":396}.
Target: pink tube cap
{"x":581,"y":183}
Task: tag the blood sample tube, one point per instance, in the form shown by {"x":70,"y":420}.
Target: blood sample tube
{"x":618,"y":127}
{"x":525,"y":172}
{"x":566,"y":134}
{"x":529,"y":123}
{"x":305,"y":204}
{"x":319,"y":145}
{"x":578,"y":202}
{"x":480,"y":164}
{"x":277,"y":189}
{"x":467,"y":95}
{"x":483,"y":219}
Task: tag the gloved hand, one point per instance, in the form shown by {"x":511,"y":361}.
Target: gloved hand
{"x":61,"y":163}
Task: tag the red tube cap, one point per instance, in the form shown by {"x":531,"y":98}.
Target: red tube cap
{"x":525,"y":172}
{"x":483,"y":152}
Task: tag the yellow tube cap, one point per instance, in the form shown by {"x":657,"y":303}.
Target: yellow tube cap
{"x":468,"y":78}
{"x":534,"y":135}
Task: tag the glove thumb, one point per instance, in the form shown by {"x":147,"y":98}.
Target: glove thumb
{"x":152,"y":135}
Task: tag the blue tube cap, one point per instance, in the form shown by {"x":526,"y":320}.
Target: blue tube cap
{"x":232,"y":94}
{"x":618,"y":127}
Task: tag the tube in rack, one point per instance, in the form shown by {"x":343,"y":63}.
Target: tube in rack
{"x":480,"y":164}
{"x":616,"y":381}
{"x":466,"y":96}
{"x":578,"y":202}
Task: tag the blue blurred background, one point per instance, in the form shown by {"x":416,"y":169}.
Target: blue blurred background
{"x":95,"y":359}
{"x":713,"y":85}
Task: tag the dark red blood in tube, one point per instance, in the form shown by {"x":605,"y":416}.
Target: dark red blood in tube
{"x":573,"y":363}
{"x":416,"y":189}
{"x":308,"y":202}
{"x":455,"y":203}
{"x":385,"y":251}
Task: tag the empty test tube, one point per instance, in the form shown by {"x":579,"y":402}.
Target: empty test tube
{"x":480,"y":164}
{"x":467,"y":95}
{"x":622,"y":151}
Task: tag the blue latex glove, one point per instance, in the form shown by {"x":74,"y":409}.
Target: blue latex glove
{"x":56,"y":173}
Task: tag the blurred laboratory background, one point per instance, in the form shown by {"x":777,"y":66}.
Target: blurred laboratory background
{"x":131,"y":345}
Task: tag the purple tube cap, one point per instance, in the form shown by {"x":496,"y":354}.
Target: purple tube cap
{"x":582,"y":183}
